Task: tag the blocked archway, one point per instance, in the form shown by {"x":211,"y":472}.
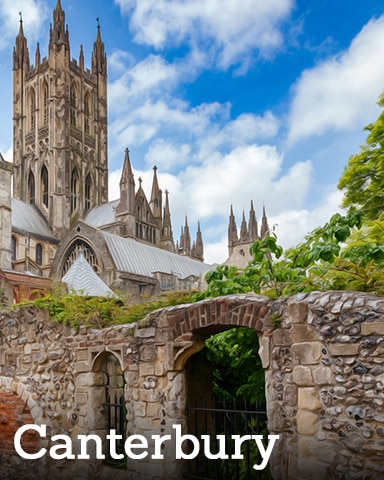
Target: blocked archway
{"x":14,"y":414}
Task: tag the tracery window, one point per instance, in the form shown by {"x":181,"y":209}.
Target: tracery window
{"x":87,"y":113}
{"x":39,"y":254}
{"x":74,"y":190}
{"x":14,"y":248}
{"x":45,"y":103}
{"x":31,"y":188}
{"x":73,"y":105}
{"x":88,"y":253}
{"x":44,"y":185}
{"x":87,"y":191}
{"x":32,"y":108}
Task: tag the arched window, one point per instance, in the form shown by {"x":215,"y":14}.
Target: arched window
{"x":74,"y":97}
{"x":44,"y":185}
{"x":31,"y":188}
{"x":87,"y":113}
{"x":114,"y":401}
{"x":14,"y":248}
{"x":88,"y":253}
{"x":32,"y":108}
{"x":74,"y":189}
{"x":87,"y":191}
{"x":45,"y":103}
{"x":39,"y":254}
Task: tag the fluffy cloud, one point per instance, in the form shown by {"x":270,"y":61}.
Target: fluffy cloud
{"x":226,"y":31}
{"x":34,"y":13}
{"x":340,"y":93}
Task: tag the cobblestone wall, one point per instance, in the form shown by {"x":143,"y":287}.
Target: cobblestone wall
{"x":323,"y":354}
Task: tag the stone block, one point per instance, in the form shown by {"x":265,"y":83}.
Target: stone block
{"x":302,"y":333}
{"x":343,"y":349}
{"x":306,"y":353}
{"x":372,"y":328}
{"x":264,"y":351}
{"x":281,"y":337}
{"x":302,"y":376}
{"x":145,"y":370}
{"x":307,"y":422}
{"x":297,"y":312}
{"x":145,"y":332}
{"x":308,"y":399}
{"x":323,"y":376}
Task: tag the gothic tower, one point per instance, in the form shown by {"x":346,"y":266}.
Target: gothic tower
{"x":60,"y":127}
{"x":238,"y":245}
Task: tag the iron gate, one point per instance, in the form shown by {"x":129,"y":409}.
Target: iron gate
{"x":227,"y":417}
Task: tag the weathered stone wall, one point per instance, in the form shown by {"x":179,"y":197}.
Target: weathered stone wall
{"x":324,"y":363}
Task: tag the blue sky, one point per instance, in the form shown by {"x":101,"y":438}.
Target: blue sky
{"x":233,"y":101}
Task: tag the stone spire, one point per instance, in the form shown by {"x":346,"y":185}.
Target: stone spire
{"x":37,"y":56}
{"x":232,"y":229}
{"x":58,"y":34}
{"x":244,"y":229}
{"x":156,"y":197}
{"x":264,"y":230}
{"x":252,"y":224}
{"x":127,"y":188}
{"x":99,"y":58}
{"x":185,"y":240}
{"x":20,"y":51}
{"x":198,"y":246}
{"x":167,"y":242}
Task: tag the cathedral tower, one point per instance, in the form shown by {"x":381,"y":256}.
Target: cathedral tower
{"x":60,"y":127}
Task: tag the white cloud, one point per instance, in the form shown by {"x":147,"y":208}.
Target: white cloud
{"x":342,"y":92}
{"x":293,"y":224}
{"x":34,"y":13}
{"x":227,"y":31}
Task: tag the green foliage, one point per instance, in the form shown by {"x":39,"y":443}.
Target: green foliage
{"x":237,"y":365}
{"x":343,"y":254}
{"x":363,"y":178}
{"x":77,"y":310}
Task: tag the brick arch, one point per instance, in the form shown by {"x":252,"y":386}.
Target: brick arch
{"x":14,"y":414}
{"x":217,"y":314}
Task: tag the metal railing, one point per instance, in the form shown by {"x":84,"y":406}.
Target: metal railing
{"x":226,"y":417}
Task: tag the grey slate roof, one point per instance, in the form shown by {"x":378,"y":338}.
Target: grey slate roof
{"x":82,"y":279}
{"x":141,"y":259}
{"x":27,"y":219}
{"x":102,"y":214}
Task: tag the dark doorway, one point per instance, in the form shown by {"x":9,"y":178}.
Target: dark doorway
{"x":219,"y":404}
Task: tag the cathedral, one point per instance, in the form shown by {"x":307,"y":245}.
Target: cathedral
{"x":59,"y":211}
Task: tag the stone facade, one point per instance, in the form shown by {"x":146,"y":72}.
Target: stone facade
{"x":323,"y":360}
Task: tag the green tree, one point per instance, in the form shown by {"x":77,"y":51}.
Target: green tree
{"x":237,"y":370}
{"x":363,"y":178}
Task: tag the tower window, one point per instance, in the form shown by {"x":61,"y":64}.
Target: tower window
{"x":87,"y":113}
{"x":45,"y":103}
{"x":31,"y":188}
{"x":74,"y":190}
{"x":73,"y":105}
{"x":14,"y":248}
{"x":44,"y":185}
{"x":87,"y":192}
{"x":39,"y":254}
{"x":32,"y":107}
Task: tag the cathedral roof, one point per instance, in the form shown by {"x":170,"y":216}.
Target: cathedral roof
{"x":82,"y":279}
{"x":27,"y":219}
{"x":103,"y":214}
{"x":132,"y":256}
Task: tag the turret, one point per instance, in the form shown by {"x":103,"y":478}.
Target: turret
{"x":58,"y":34}
{"x":125,"y":210}
{"x":156,"y":198}
{"x":198,"y":246}
{"x":167,"y":242}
